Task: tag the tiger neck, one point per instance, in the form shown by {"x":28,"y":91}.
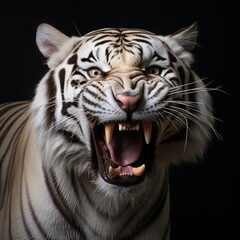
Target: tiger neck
{"x":83,"y":190}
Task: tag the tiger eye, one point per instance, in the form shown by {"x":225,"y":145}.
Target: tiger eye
{"x":94,"y":72}
{"x":155,"y":70}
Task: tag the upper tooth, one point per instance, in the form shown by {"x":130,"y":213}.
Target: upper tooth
{"x":147,"y":129}
{"x":124,"y":127}
{"x":109,"y":131}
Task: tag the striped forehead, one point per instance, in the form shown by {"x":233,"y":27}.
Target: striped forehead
{"x":117,"y":33}
{"x":117,"y":46}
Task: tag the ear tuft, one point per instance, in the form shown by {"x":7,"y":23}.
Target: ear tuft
{"x":49,"y":39}
{"x":187,"y":37}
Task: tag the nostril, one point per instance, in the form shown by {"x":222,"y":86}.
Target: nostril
{"x":128,"y":103}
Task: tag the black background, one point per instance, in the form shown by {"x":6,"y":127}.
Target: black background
{"x":204,"y":196}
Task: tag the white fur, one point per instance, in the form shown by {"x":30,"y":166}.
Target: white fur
{"x":56,"y":177}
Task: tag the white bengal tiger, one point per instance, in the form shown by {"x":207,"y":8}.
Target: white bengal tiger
{"x":88,"y":158}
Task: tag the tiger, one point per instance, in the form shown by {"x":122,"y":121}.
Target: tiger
{"x":89,"y":156}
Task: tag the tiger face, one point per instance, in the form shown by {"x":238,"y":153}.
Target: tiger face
{"x":120,"y":101}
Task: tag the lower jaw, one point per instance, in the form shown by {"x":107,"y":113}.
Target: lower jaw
{"x":124,"y":180}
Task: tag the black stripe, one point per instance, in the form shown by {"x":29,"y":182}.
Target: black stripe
{"x":14,"y":113}
{"x":24,"y":218}
{"x":70,"y":136}
{"x":172,"y":58}
{"x":13,"y":143}
{"x":141,"y":41}
{"x":102,"y":42}
{"x":158,"y":57}
{"x":88,"y":59}
{"x":78,"y":45}
{"x":181,"y":72}
{"x":76,"y":188}
{"x":156,"y":94}
{"x":102,"y":36}
{"x":51,"y":101}
{"x":59,"y":201}
{"x":9,"y":183}
{"x":170,"y":70}
{"x":73,"y":59}
{"x":34,"y":216}
{"x":61,"y":76}
{"x":96,"y":96}
{"x":86,"y":101}
{"x":8,"y":106}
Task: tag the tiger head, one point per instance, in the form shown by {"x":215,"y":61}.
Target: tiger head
{"x":117,"y":102}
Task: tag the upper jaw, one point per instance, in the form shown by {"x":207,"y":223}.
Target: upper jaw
{"x":135,"y":126}
{"x":122,"y":150}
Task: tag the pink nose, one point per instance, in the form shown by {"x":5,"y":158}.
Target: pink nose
{"x":128,"y":103}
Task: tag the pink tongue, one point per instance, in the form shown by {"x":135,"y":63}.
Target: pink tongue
{"x":125,"y":147}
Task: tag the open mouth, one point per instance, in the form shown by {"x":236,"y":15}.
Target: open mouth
{"x":123,"y":151}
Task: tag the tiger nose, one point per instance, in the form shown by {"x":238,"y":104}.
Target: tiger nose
{"x":128,"y":103}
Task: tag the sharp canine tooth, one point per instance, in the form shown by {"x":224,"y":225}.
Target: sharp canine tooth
{"x":109,"y":131}
{"x":113,"y":172}
{"x":147,"y":128}
{"x":138,"y":171}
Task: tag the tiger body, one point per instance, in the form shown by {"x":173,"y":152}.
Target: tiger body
{"x":88,"y":158}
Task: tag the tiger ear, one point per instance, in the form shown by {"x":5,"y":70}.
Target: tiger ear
{"x":187,"y":37}
{"x":49,"y":39}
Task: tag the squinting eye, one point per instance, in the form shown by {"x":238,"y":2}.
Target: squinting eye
{"x":94,"y":72}
{"x":155,"y":70}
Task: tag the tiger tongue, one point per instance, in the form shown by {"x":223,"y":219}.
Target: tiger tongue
{"x":125,"y":147}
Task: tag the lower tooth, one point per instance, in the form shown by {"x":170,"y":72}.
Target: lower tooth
{"x":138,"y":171}
{"x":113,"y":172}
{"x":125,"y":174}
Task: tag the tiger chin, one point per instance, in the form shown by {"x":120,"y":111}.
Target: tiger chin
{"x":88,"y":157}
